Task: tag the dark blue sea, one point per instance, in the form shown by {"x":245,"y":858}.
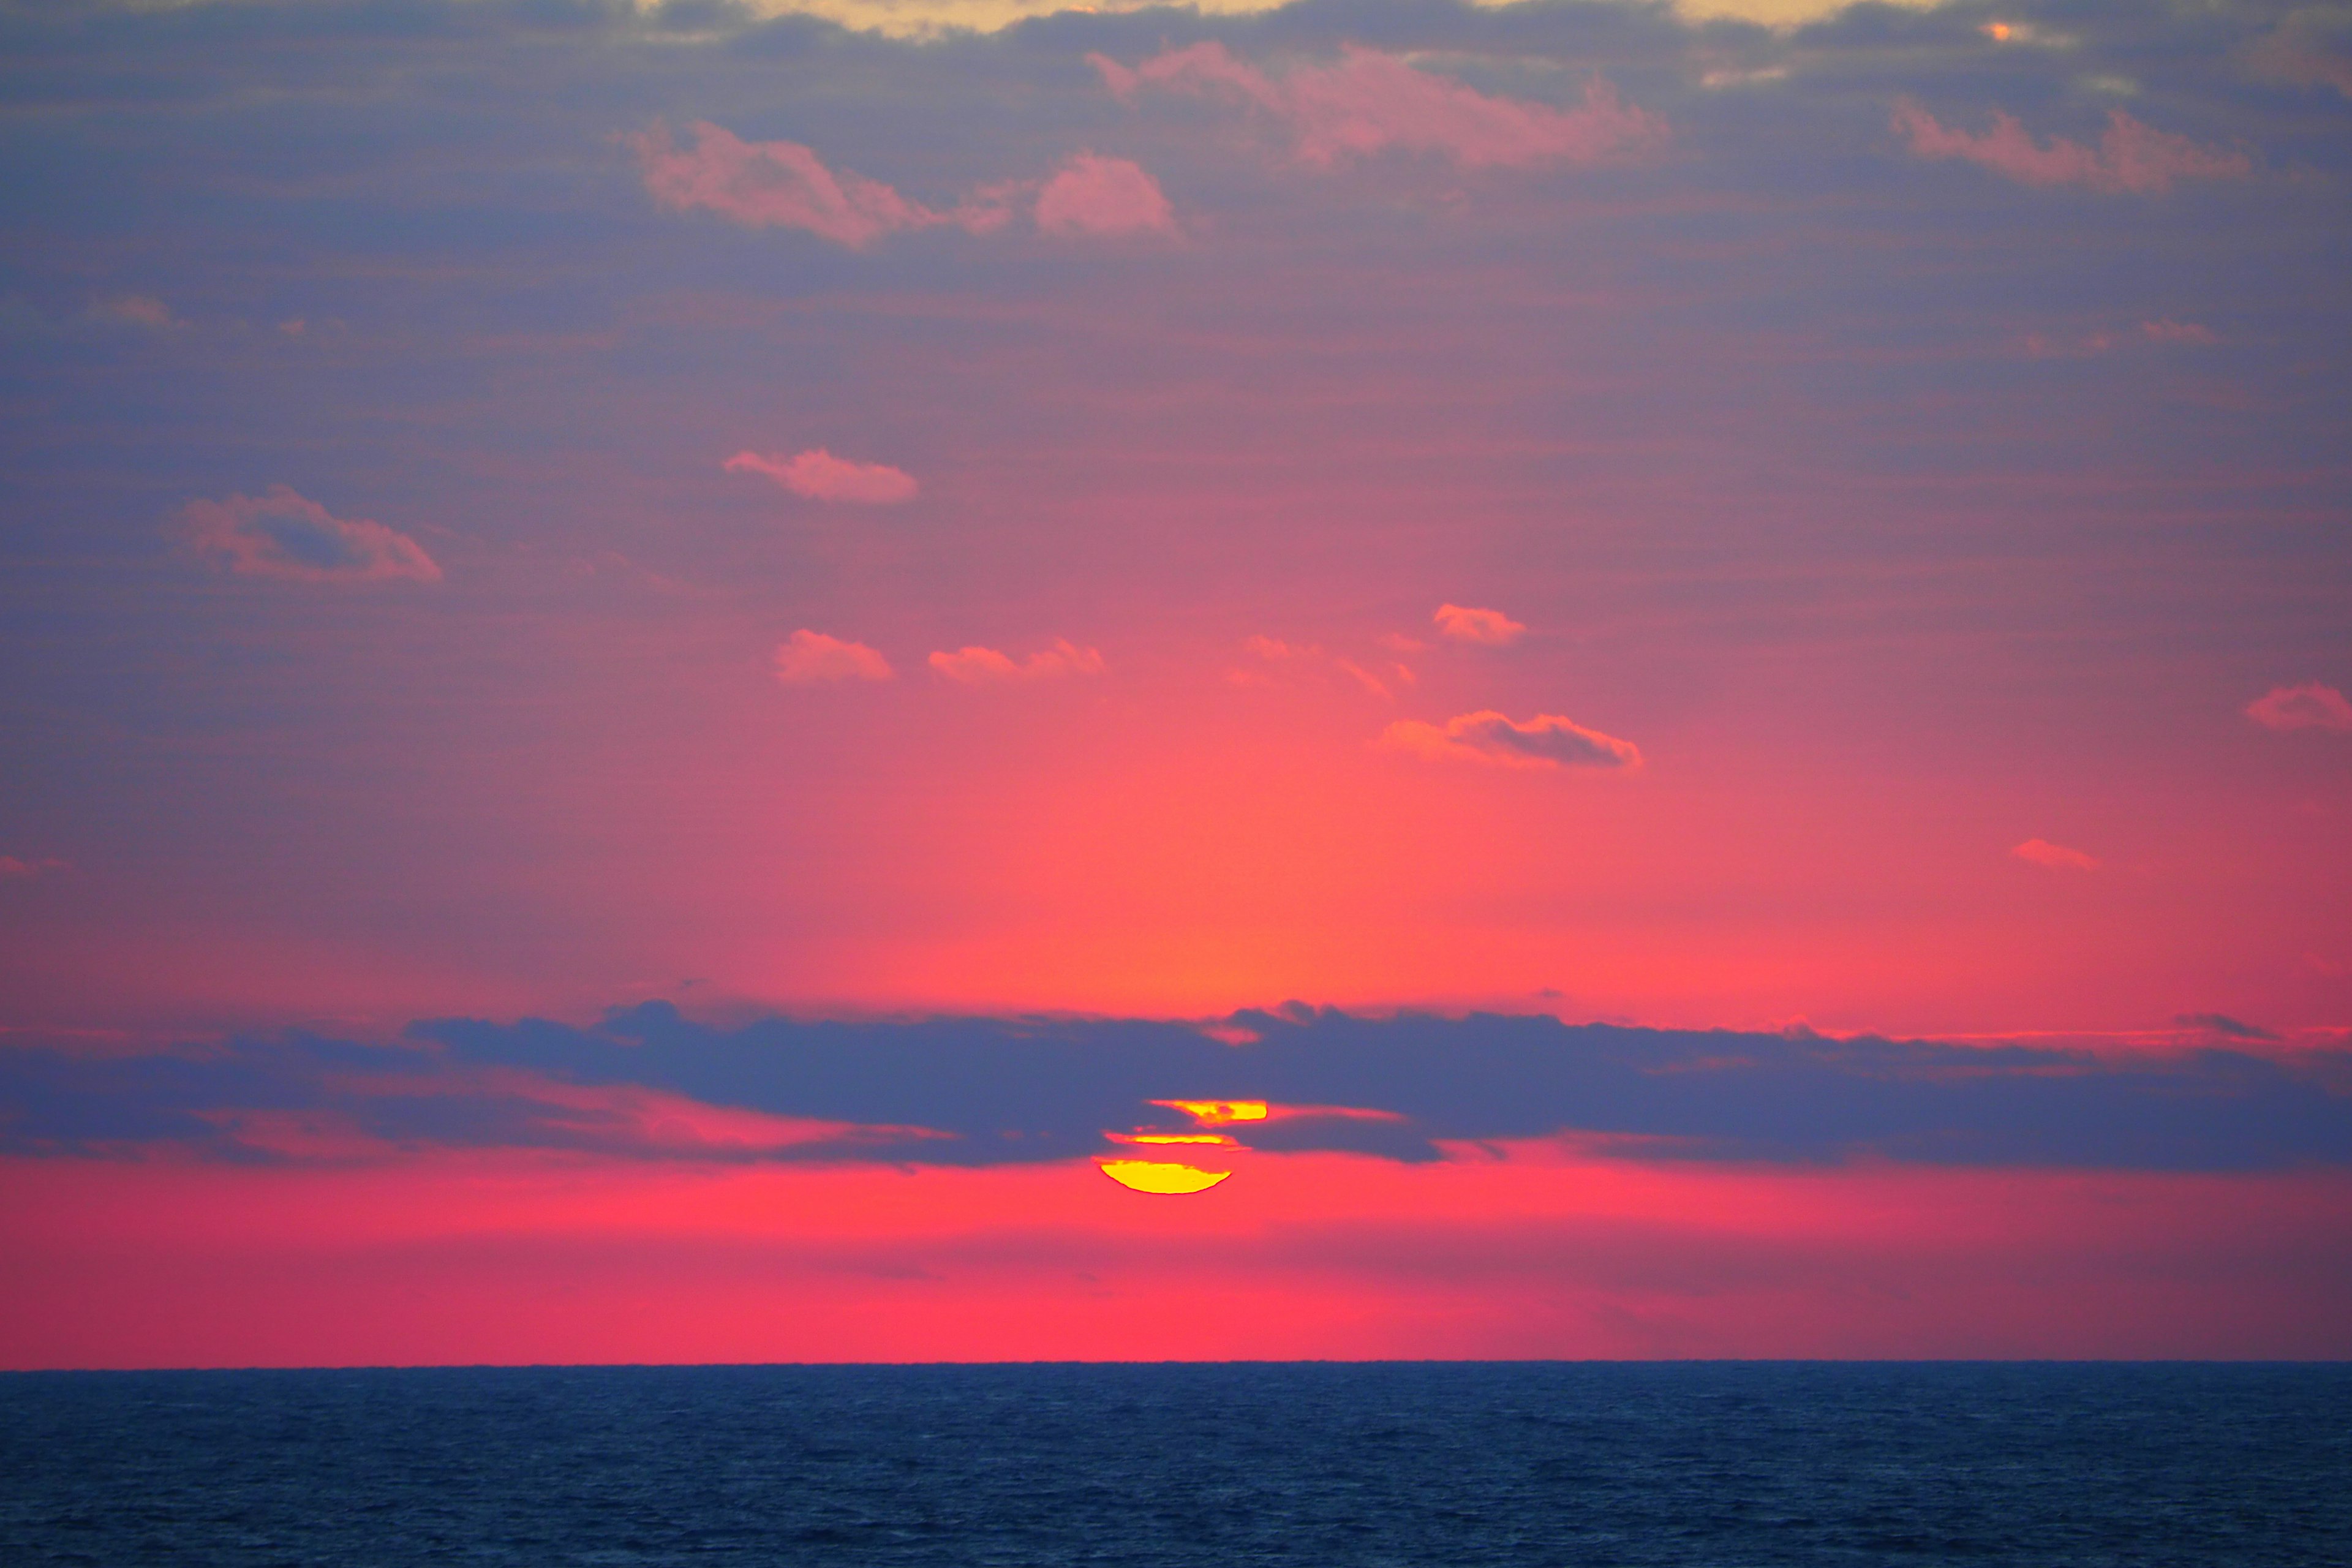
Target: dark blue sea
{"x":1199,"y":1466}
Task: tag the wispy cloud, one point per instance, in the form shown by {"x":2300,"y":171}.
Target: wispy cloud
{"x":650,"y":1083}
{"x":282,"y":535}
{"x":17,"y":869}
{"x":2131,"y":155}
{"x":1491,"y":629}
{"x":1098,"y":195}
{"x":975,"y":666}
{"x":2310,"y":706}
{"x":2056,"y":857}
{"x":809,"y":658}
{"x":1371,"y":101}
{"x":765,"y":184}
{"x":135,"y":310}
{"x":1546,"y":740}
{"x":818,"y":475}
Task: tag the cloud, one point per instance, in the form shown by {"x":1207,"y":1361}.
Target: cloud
{"x":783,"y":185}
{"x":2057,"y":856}
{"x":2310,"y":706}
{"x":2221,"y":1024}
{"x":1546,"y":740}
{"x":1490,"y":627}
{"x":16,"y":868}
{"x":648,"y":1082}
{"x":1371,"y":101}
{"x":2310,"y":48}
{"x":985,"y":666}
{"x":820,"y":476}
{"x":136,"y":311}
{"x":809,"y":658}
{"x":1098,"y":195}
{"x":281,"y":534}
{"x":2131,"y":156}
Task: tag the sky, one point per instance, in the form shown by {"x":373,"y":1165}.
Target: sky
{"x":1672,"y":678}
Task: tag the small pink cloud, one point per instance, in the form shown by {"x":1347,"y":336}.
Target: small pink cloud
{"x":16,"y":868}
{"x":820,"y":476}
{"x":1096,"y":196}
{"x":810,"y":659}
{"x":281,"y":534}
{"x":1546,"y":740}
{"x":1362,"y":677}
{"x":985,"y":666}
{"x":2168,"y":330}
{"x":1490,"y":628}
{"x":2312,"y":48}
{"x":1275,"y":649}
{"x":2057,"y":856}
{"x":783,"y":185}
{"x":136,"y":311}
{"x":2310,"y":706}
{"x":2130,"y":156}
{"x":1370,"y":101}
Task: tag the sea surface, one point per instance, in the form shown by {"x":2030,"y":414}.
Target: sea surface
{"x":1202,"y":1466}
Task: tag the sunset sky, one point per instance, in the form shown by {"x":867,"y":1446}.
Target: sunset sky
{"x":657,"y":664}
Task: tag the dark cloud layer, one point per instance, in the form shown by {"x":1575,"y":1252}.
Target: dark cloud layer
{"x":975,"y":1091}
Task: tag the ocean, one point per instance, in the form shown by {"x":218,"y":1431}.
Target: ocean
{"x":1453,"y":1464}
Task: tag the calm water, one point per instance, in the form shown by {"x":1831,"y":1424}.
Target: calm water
{"x":1138,"y":1466}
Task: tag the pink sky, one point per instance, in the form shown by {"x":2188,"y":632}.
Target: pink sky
{"x":1520,"y":509}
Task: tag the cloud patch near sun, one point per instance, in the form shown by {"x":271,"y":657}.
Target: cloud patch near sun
{"x":818,"y":475}
{"x":1371,"y":101}
{"x":976,"y":666}
{"x":784,"y":185}
{"x":1497,"y":740}
{"x":2131,"y":156}
{"x":285,"y":535}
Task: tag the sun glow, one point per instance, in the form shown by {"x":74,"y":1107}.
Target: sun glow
{"x":1217,"y":1112}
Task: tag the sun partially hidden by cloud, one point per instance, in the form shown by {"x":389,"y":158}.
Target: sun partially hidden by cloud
{"x":1098,"y":195}
{"x":1546,"y":740}
{"x":1371,"y":101}
{"x":809,"y":658}
{"x":819,"y":475}
{"x":282,"y":535}
{"x":2056,"y":857}
{"x":2310,"y":706}
{"x":1491,"y":627}
{"x":976,"y":666}
{"x":1165,"y":1177}
{"x":2131,"y":155}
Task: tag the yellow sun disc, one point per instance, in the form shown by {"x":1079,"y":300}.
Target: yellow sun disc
{"x":1161,"y":1176}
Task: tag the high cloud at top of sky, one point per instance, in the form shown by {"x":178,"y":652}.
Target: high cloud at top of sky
{"x":1546,"y":740}
{"x":975,"y":666}
{"x":2130,"y":156}
{"x":1491,"y":627}
{"x":809,"y":658}
{"x":651,"y":1083}
{"x":819,"y":475}
{"x":282,"y":535}
{"x":1371,"y":101}
{"x":2310,"y":706}
{"x":764,"y":184}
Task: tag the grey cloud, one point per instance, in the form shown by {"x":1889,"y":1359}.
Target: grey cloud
{"x":1003,"y":1091}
